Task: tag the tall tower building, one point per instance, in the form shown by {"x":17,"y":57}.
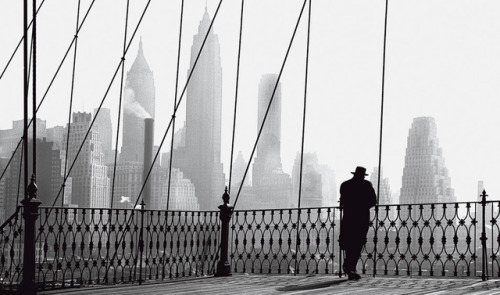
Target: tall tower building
{"x":200,"y":158}
{"x":425,"y":177}
{"x":272,"y":186}
{"x":139,"y":104}
{"x":269,"y":146}
{"x":425,"y":180}
{"x":90,"y":174}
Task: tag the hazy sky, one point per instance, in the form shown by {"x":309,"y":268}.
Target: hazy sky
{"x":443,"y":60}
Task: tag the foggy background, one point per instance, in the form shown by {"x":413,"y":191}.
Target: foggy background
{"x":442,"y":61}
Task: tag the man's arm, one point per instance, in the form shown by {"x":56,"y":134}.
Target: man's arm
{"x":372,"y":198}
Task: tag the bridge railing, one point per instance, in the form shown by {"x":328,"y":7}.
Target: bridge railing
{"x":86,"y":246}
{"x":11,"y":250}
{"x":438,"y":239}
{"x":285,"y":241}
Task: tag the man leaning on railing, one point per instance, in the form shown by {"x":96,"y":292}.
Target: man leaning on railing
{"x":357,"y":196}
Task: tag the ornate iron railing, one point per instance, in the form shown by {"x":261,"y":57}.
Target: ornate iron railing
{"x":11,"y":250}
{"x":85,"y":246}
{"x":439,"y":239}
{"x":286,"y":241}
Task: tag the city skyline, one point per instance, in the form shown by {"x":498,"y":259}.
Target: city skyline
{"x":460,"y":96}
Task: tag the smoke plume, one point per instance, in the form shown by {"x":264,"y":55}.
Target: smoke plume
{"x":131,"y":106}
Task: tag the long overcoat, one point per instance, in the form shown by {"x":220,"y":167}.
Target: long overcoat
{"x":357,"y":196}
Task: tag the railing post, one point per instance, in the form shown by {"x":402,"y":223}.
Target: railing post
{"x":340,"y":247}
{"x":141,"y":241}
{"x":30,"y":215}
{"x":226,"y":210}
{"x":484,"y":276}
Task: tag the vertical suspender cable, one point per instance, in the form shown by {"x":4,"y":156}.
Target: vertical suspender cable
{"x":25,"y":87}
{"x":380,"y":141}
{"x":71,"y":98}
{"x":178,"y":102}
{"x":305,"y":103}
{"x":303,"y":131}
{"x":175,"y":104}
{"x":236,"y":97}
{"x":34,"y":88}
{"x":382,"y":103}
{"x":270,"y":101}
{"x":120,"y":103}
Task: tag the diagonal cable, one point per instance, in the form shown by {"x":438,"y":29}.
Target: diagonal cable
{"x":175,"y":103}
{"x":71,"y":96}
{"x":178,"y":103}
{"x":19,"y":43}
{"x":120,"y":103}
{"x":270,"y":102}
{"x":236,"y":96}
{"x":55,"y":75}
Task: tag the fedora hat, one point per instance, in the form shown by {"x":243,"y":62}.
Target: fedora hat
{"x":360,"y":170}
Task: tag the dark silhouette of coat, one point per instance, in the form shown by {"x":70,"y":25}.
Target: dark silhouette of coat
{"x":357,"y":196}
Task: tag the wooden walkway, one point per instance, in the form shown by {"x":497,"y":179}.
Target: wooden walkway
{"x":289,"y":284}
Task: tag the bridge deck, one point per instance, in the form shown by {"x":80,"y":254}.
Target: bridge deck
{"x":289,"y":284}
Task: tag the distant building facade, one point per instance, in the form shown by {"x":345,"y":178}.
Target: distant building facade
{"x":200,"y":157}
{"x":139,"y":104}
{"x":103,"y":124}
{"x":272,"y":187}
{"x":425,"y":176}
{"x":312,"y":185}
{"x":425,"y":180}
{"x":90,"y":187}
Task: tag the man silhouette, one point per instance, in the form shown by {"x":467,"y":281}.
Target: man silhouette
{"x":357,"y":196}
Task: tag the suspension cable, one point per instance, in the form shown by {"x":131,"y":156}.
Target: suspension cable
{"x":120,"y":64}
{"x":236,"y":96}
{"x":270,"y":101}
{"x":175,"y":103}
{"x":173,"y":116}
{"x":34,"y":84}
{"x":53,"y":79}
{"x":25,"y":94}
{"x":71,"y":97}
{"x":19,"y":43}
{"x":303,"y":131}
{"x":382,"y":102}
{"x":305,"y":103}
{"x":381,"y":129}
{"x":178,"y":102}
{"x":120,"y":103}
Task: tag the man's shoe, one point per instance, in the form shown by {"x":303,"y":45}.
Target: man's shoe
{"x":352,"y":276}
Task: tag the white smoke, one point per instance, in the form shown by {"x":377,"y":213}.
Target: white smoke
{"x":131,"y":106}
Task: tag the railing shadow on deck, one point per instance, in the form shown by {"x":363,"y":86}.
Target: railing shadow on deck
{"x":89,"y":246}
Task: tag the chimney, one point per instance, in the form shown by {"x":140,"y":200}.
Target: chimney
{"x":148,"y":159}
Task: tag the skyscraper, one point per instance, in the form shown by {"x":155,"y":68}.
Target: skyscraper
{"x":90,"y":174}
{"x":425,"y":180}
{"x":272,"y":187}
{"x":200,"y":158}
{"x":139,"y":103}
{"x":425,"y":177}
